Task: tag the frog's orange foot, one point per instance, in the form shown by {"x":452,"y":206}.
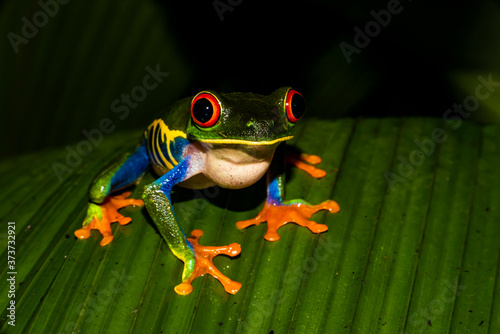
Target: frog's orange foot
{"x":304,"y":161}
{"x":109,"y":214}
{"x":204,"y":264}
{"x":278,"y":215}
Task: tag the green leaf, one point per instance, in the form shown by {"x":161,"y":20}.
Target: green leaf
{"x":414,"y":248}
{"x":89,"y":60}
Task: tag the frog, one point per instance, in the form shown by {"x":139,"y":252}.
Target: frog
{"x":230,"y":140}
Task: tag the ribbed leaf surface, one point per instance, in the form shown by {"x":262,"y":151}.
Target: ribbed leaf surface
{"x":419,"y":253}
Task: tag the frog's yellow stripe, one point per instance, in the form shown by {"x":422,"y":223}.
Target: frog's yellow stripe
{"x":151,"y":137}
{"x":244,"y":142}
{"x":159,"y":134}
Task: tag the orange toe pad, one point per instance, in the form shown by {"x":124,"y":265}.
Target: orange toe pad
{"x":304,"y":161}
{"x":204,"y":264}
{"x":109,"y":214}
{"x":278,"y":215}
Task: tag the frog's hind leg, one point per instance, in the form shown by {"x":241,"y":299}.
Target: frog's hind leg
{"x":102,"y":210}
{"x":305,"y":162}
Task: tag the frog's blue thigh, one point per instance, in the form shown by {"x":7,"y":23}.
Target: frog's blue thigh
{"x":159,"y":205}
{"x":126,"y":169}
{"x":132,"y":169}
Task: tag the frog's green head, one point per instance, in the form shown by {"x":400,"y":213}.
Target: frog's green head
{"x":245,"y":118}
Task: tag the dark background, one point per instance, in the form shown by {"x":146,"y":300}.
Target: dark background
{"x":64,"y":79}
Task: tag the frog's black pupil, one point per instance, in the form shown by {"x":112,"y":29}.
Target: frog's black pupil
{"x":203,"y":110}
{"x":298,"y":106}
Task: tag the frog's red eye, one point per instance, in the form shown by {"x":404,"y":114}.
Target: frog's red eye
{"x":295,"y":105}
{"x":205,"y":109}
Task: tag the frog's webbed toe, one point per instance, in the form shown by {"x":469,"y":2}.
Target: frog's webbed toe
{"x":304,"y":162}
{"x":109,"y":214}
{"x":296,"y":211}
{"x":204,"y":264}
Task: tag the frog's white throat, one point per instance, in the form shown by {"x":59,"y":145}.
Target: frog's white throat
{"x":232,"y":166}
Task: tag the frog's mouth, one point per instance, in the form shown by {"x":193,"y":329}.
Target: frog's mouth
{"x":236,"y":166}
{"x":238,"y":153}
{"x":228,"y":141}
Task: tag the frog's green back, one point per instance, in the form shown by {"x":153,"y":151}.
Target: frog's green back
{"x":177,"y":116}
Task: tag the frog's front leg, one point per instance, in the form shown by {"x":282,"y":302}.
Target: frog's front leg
{"x":197,"y":259}
{"x":277,"y":212}
{"x":102,"y":209}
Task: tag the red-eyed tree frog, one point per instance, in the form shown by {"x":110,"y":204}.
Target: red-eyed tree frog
{"x":230,"y":140}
